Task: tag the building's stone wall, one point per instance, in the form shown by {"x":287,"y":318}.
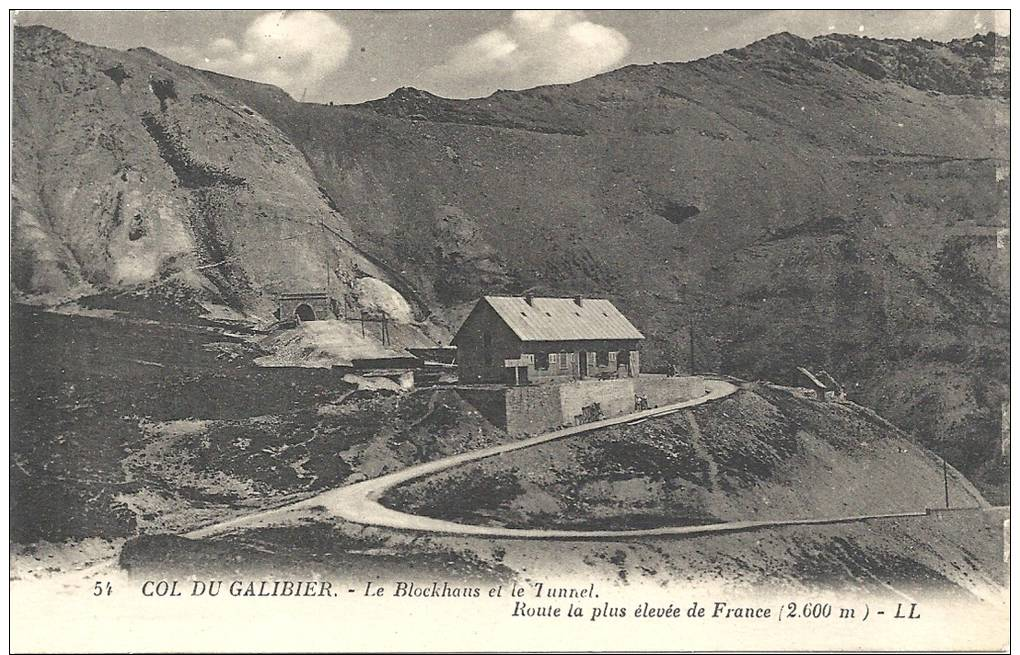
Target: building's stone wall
{"x":538,"y":408}
{"x":533,"y":409}
{"x":661,"y":390}
{"x":490,"y":403}
{"x":615,"y":397}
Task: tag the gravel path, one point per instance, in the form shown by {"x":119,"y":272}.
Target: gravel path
{"x":359,"y":502}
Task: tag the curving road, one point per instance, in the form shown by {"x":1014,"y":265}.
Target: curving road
{"x":359,"y":502}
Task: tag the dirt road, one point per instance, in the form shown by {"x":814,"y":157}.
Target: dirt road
{"x":359,"y":503}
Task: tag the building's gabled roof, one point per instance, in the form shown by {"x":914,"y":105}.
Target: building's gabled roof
{"x":562,"y":319}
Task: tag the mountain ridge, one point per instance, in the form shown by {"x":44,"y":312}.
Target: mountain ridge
{"x":824,"y":47}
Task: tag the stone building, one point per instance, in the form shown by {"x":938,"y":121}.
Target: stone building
{"x":523,"y":340}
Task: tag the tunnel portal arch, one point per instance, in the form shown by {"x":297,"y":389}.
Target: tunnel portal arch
{"x":304,"y":312}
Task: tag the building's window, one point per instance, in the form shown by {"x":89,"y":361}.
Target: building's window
{"x":591,"y":358}
{"x":553,"y":359}
{"x":612,"y":357}
{"x":625,"y":357}
{"x":603,"y":357}
{"x":564,"y":364}
{"x":542,"y":361}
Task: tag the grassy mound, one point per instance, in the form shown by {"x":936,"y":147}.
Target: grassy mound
{"x":763,"y":453}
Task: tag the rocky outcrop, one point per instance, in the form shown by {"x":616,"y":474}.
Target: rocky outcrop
{"x":976,"y":66}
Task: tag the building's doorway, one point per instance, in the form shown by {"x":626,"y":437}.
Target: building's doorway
{"x":304,"y":312}
{"x":582,"y":364}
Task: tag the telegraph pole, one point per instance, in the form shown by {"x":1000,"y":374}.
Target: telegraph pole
{"x":945,"y":479}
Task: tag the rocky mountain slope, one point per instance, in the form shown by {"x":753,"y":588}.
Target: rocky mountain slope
{"x":837,"y":202}
{"x":133,"y":173}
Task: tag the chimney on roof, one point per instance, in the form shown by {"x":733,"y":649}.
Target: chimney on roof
{"x":529,"y":298}
{"x":577,"y":300}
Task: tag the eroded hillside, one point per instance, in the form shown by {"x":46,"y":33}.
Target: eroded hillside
{"x":134,"y":174}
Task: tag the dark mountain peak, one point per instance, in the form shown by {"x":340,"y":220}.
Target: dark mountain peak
{"x":411,"y":98}
{"x":408,"y":102}
{"x":149,"y":52}
{"x":39,"y":44}
{"x":977,"y":65}
{"x":38,"y":32}
{"x":31,"y":42}
{"x":409,"y":93}
{"x":783,"y":39}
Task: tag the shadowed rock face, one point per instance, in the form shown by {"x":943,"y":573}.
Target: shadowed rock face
{"x":834,"y":202}
{"x":976,"y":66}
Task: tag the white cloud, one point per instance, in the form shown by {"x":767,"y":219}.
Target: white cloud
{"x":294,"y":50}
{"x":533,"y":48}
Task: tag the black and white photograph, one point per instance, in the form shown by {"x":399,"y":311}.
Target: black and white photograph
{"x":509,"y":330}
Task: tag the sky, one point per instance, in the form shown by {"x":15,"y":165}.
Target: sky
{"x":349,"y":56}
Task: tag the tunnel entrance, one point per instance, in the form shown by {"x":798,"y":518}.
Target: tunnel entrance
{"x":304,"y":312}
{"x":306,"y":306}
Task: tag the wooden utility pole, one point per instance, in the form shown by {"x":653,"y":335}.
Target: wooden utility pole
{"x":945,"y":479}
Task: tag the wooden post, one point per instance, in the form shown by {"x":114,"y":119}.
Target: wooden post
{"x":945,"y":479}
